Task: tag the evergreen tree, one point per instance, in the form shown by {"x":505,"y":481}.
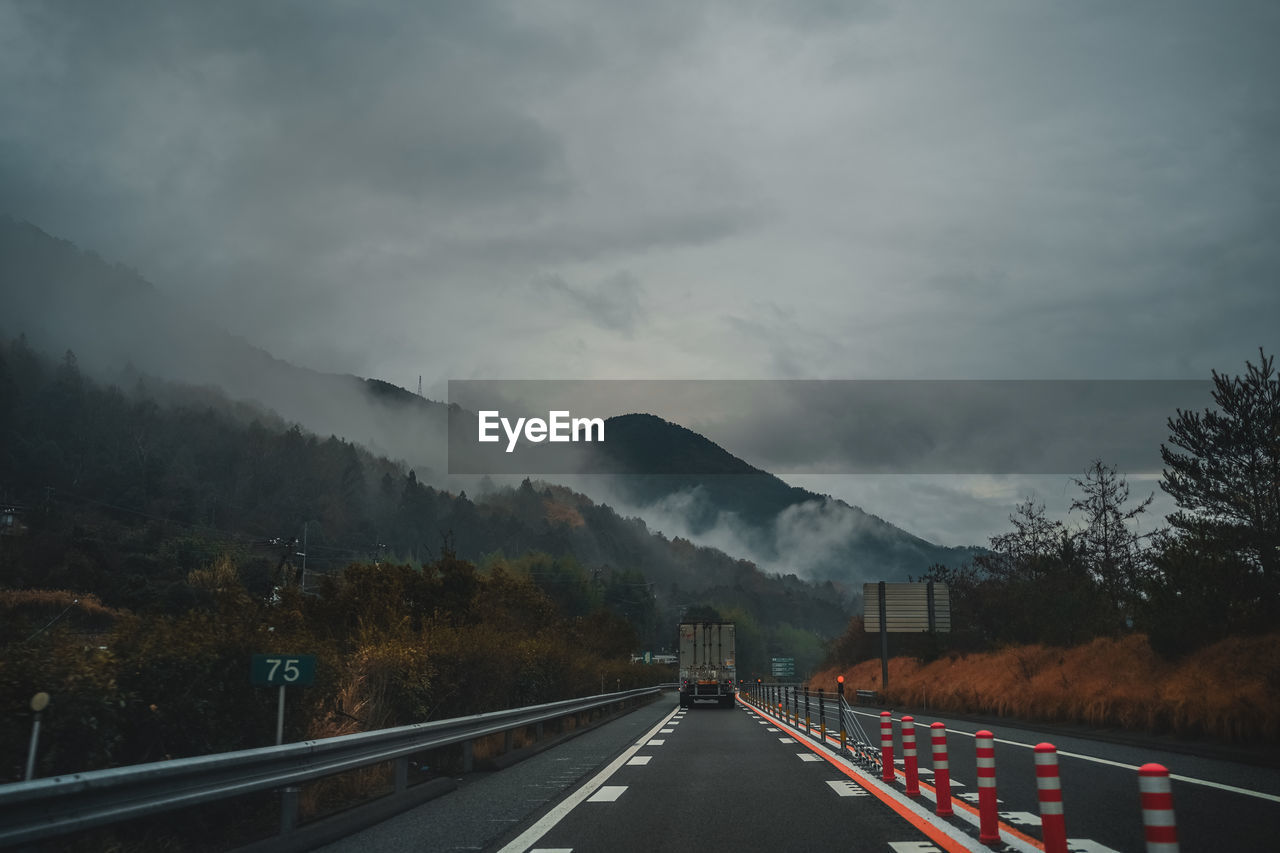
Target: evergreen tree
{"x":1223,"y":469}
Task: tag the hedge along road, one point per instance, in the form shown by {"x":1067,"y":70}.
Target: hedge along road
{"x":1219,"y":804}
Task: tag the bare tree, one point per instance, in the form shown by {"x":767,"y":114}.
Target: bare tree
{"x":1108,"y":546}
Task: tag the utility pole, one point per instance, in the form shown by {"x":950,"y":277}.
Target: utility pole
{"x":305,"y":525}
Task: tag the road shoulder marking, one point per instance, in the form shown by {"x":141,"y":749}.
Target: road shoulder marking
{"x":522,"y":842}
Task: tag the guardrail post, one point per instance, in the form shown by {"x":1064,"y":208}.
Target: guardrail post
{"x":822,"y":714}
{"x":988,"y":818}
{"x":808,"y":724}
{"x":508,"y":737}
{"x":886,"y":746}
{"x":840,"y":699}
{"x":1049,"y":788}
{"x":1158,"y":821}
{"x":941,"y":770}
{"x":468,"y":756}
{"x":288,"y":809}
{"x":909,"y":760}
{"x":402,"y":773}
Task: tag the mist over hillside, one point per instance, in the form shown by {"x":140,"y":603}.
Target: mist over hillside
{"x":122,"y":328}
{"x":743,"y":510}
{"x":116,"y":322}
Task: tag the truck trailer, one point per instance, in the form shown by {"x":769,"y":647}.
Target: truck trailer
{"x":708,"y":671}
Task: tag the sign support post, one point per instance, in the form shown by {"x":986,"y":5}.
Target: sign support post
{"x":884,"y":642}
{"x":904,"y":608}
{"x":280,"y":671}
{"x":280,"y":718}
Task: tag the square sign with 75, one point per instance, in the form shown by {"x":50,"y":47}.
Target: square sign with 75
{"x":283,"y":670}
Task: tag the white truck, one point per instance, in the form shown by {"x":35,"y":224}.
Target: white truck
{"x":708,"y":670}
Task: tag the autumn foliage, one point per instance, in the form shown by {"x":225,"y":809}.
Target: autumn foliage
{"x":394,"y":645}
{"x":1228,"y":691}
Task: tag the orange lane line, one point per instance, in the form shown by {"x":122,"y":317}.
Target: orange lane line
{"x":934,"y":833}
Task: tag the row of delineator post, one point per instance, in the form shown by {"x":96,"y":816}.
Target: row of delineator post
{"x":1153,"y":784}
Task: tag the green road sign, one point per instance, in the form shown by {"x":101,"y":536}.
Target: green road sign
{"x":282,"y":670}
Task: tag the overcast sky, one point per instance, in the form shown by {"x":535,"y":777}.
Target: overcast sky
{"x":737,"y":189}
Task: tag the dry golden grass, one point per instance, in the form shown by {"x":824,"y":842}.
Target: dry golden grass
{"x":52,"y":600}
{"x":23,"y":611}
{"x":1229,"y":691}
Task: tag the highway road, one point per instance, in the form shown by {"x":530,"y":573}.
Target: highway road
{"x":710,"y":779}
{"x":1220,"y":805}
{"x":665,"y":779}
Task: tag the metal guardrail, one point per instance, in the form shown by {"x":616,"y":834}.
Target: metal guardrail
{"x":821,"y":714}
{"x":47,"y":808}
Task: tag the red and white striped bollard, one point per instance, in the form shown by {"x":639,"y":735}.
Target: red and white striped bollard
{"x":988,"y":816}
{"x":886,"y":746}
{"x":941,"y":770}
{"x":1157,"y":809}
{"x":909,"y":760}
{"x":1049,"y":788}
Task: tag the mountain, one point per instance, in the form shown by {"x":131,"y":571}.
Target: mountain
{"x":663,"y":467}
{"x":120,"y":325}
{"x":125,"y":493}
{"x":122,"y":328}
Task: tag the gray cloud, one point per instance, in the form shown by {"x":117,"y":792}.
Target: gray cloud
{"x":615,"y":303}
{"x":806,"y":190}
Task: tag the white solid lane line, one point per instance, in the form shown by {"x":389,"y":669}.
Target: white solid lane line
{"x":1191,"y":780}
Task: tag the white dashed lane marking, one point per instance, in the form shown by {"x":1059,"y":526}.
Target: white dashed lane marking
{"x":846,"y":788}
{"x":607,"y":794}
{"x":640,"y":760}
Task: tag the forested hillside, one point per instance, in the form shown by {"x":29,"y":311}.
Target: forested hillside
{"x":155,"y":536}
{"x":60,"y":296}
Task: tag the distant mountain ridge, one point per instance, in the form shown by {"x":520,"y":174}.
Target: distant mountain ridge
{"x":727,"y":490}
{"x":62,"y":297}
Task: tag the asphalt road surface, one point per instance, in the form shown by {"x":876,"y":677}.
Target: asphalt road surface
{"x":1220,"y":805}
{"x":712,"y":779}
